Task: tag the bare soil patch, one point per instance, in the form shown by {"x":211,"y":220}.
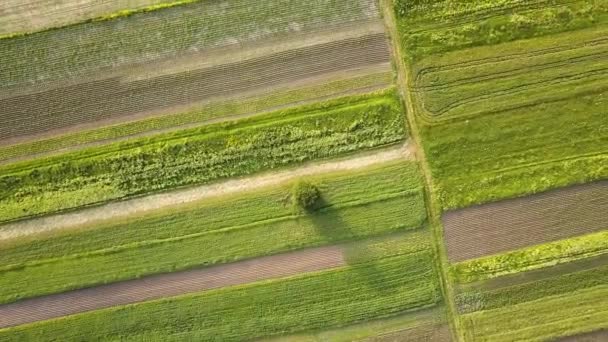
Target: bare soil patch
{"x":517,"y":223}
{"x":170,"y":284}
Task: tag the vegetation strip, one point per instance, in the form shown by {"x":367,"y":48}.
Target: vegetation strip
{"x":140,"y":38}
{"x":368,"y":202}
{"x":225,"y":110}
{"x":170,"y":284}
{"x":531,"y":258}
{"x":325,"y":299}
{"x":522,"y":222}
{"x":140,"y":205}
{"x":200,"y":156}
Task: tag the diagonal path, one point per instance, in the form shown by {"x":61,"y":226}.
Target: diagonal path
{"x":170,"y":284}
{"x":134,"y":206}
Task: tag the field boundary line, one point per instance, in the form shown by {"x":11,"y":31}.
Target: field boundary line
{"x":433,"y":210}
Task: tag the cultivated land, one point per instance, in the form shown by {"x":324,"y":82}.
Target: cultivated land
{"x":368,"y":288}
{"x":522,"y":222}
{"x":494,"y":108}
{"x":25,"y":16}
{"x":202,"y":155}
{"x":116,"y":99}
{"x":170,"y":284}
{"x":367,"y":202}
{"x":508,"y":99}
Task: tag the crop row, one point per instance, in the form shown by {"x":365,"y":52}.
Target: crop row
{"x":561,"y":284}
{"x":322,"y":300}
{"x":545,"y":76}
{"x":208,"y":153}
{"x":216,"y":231}
{"x":555,"y":316}
{"x":72,"y":50}
{"x":215,"y":110}
{"x":120,"y":99}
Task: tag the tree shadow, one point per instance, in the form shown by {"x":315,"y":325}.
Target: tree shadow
{"x":331,"y":225}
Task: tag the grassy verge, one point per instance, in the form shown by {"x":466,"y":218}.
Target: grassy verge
{"x":213,"y":111}
{"x":142,"y":37}
{"x":359,"y":292}
{"x":555,"y":316}
{"x":532,"y":258}
{"x":369,"y":202}
{"x":200,"y":155}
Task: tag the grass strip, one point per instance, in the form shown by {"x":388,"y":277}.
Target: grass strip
{"x":326,"y":299}
{"x":200,"y":155}
{"x":531,"y":258}
{"x":478,"y":300}
{"x":562,"y":315}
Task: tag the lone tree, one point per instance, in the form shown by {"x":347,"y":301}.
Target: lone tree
{"x":304,"y":195}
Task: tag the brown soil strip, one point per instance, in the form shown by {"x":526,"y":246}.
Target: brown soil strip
{"x":596,"y":336}
{"x":153,"y":202}
{"x":170,"y":284}
{"x":115,"y":98}
{"x":517,"y":223}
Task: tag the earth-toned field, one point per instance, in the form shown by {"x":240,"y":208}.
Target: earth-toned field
{"x":285,"y":170}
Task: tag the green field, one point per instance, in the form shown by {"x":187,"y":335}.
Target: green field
{"x":200,"y":155}
{"x":143,"y":37}
{"x":569,"y":314}
{"x":364,"y":203}
{"x":493,"y":113}
{"x":358,"y":292}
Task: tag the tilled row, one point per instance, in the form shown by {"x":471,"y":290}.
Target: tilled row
{"x":115,"y":98}
{"x":521,"y":222}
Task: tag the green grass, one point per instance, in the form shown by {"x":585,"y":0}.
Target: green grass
{"x":477,"y":300}
{"x":531,"y":258}
{"x":451,"y":25}
{"x":493,"y":120}
{"x":216,"y":110}
{"x":354,"y":205}
{"x":553,"y":317}
{"x":200,"y":155}
{"x":326,"y":299}
{"x":142,"y":37}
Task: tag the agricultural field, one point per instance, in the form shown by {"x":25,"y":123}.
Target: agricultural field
{"x":304,"y":171}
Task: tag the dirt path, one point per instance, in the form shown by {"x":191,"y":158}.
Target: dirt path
{"x":138,"y":205}
{"x":170,"y":284}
